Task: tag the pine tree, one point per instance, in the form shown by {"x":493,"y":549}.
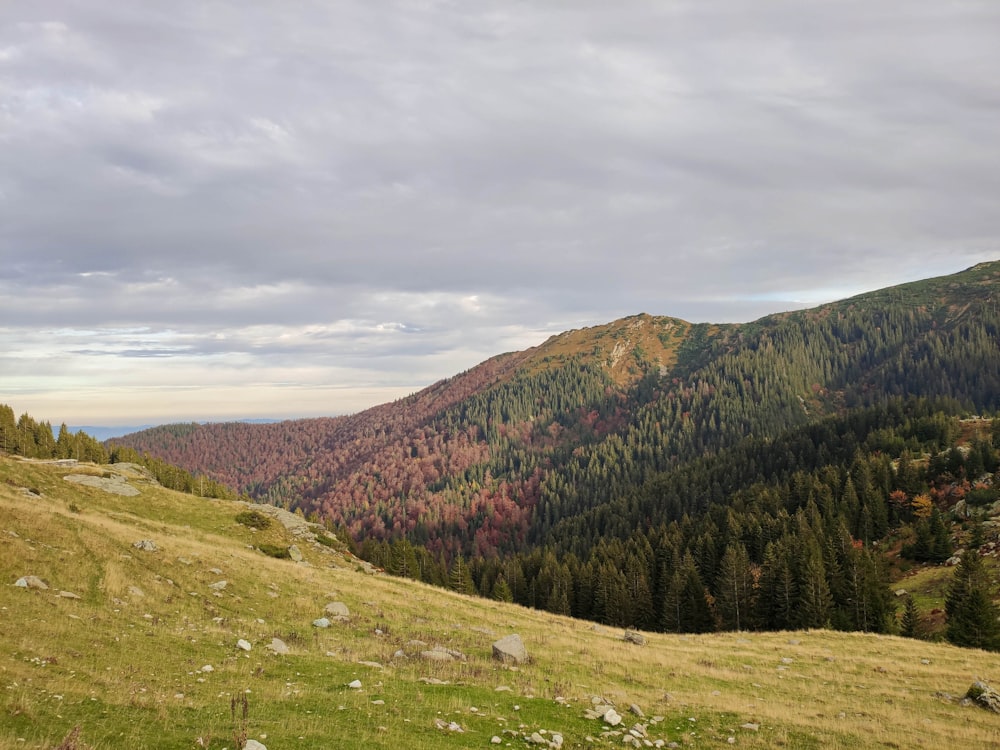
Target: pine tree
{"x":460,"y":579}
{"x":972,"y":615}
{"x":911,"y":626}
{"x":734,"y":600}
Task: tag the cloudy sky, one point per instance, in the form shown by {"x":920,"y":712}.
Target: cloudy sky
{"x":284,"y":208}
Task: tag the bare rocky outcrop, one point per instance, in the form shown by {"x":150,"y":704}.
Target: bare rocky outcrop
{"x":984,"y":696}
{"x":116,"y":484}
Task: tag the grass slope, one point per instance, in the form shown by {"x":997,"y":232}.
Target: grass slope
{"x":124,"y":662}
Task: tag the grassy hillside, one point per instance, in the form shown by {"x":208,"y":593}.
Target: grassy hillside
{"x":126,"y":661}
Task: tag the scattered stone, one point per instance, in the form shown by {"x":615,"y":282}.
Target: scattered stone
{"x":136,"y":592}
{"x":636,"y":710}
{"x":207,"y":668}
{"x":451,"y":726}
{"x":612,"y":718}
{"x":787,"y":660}
{"x":146,"y":545}
{"x":69,"y":595}
{"x":337,"y":609}
{"x":278,"y":646}
{"x":244,"y":645}
{"x":378,"y":702}
{"x":31,"y":582}
{"x":435,"y":654}
{"x":510,"y":650}
{"x":218,"y":585}
{"x":984,"y":696}
{"x":354,"y":684}
{"x":953,"y":560}
{"x":322,"y":622}
{"x":295,"y":554}
{"x":631,"y":636}
{"x":900,"y":592}
{"x":494,"y":740}
{"x":215,"y":571}
{"x":254,"y":745}
{"x":372,"y":664}
{"x":433,"y":681}
{"x":750,"y":726}
{"x":537,"y":739}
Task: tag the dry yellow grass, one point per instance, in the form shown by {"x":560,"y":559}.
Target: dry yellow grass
{"x":124,"y":661}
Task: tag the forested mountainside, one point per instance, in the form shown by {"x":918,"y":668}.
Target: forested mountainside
{"x":652,"y":448}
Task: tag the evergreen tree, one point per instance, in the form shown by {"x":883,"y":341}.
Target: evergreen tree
{"x":460,"y":578}
{"x":911,"y":626}
{"x":501,"y":591}
{"x":974,"y":623}
{"x":972,"y":615}
{"x":734,"y":599}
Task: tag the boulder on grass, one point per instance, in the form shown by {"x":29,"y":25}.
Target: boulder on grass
{"x":510,"y":650}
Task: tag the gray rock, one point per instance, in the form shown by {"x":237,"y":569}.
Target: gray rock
{"x":31,"y":582}
{"x":278,"y":646}
{"x":354,"y":684}
{"x":537,"y":739}
{"x":510,"y":650}
{"x":436,"y":655}
{"x":322,"y":622}
{"x":115,"y":484}
{"x":254,"y":745}
{"x":612,"y":717}
{"x":243,"y":645}
{"x":337,"y":609}
{"x":984,"y":696}
{"x":636,"y":710}
{"x":146,"y":545}
{"x":295,"y":553}
{"x":218,"y":585}
{"x":69,"y":595}
{"x":632,"y":637}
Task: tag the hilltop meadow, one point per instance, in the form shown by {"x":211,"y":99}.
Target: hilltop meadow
{"x":137,"y":648}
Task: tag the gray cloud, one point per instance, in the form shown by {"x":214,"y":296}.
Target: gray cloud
{"x":380,"y":194}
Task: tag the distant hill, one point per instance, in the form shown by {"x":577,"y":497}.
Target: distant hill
{"x":649,"y":385}
{"x":648,"y":442}
{"x":103,"y":432}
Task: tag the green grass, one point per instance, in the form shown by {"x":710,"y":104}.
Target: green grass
{"x":124,"y":662}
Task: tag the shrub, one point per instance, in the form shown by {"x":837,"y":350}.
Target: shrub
{"x":253,"y":519}
{"x":274,"y":550}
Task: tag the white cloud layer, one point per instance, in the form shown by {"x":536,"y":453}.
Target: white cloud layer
{"x":283,"y":209}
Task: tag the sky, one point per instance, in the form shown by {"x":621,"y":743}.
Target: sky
{"x":280,"y":209}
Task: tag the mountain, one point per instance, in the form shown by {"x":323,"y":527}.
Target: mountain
{"x":138,"y":646}
{"x":660,"y":388}
{"x":623,"y":463}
